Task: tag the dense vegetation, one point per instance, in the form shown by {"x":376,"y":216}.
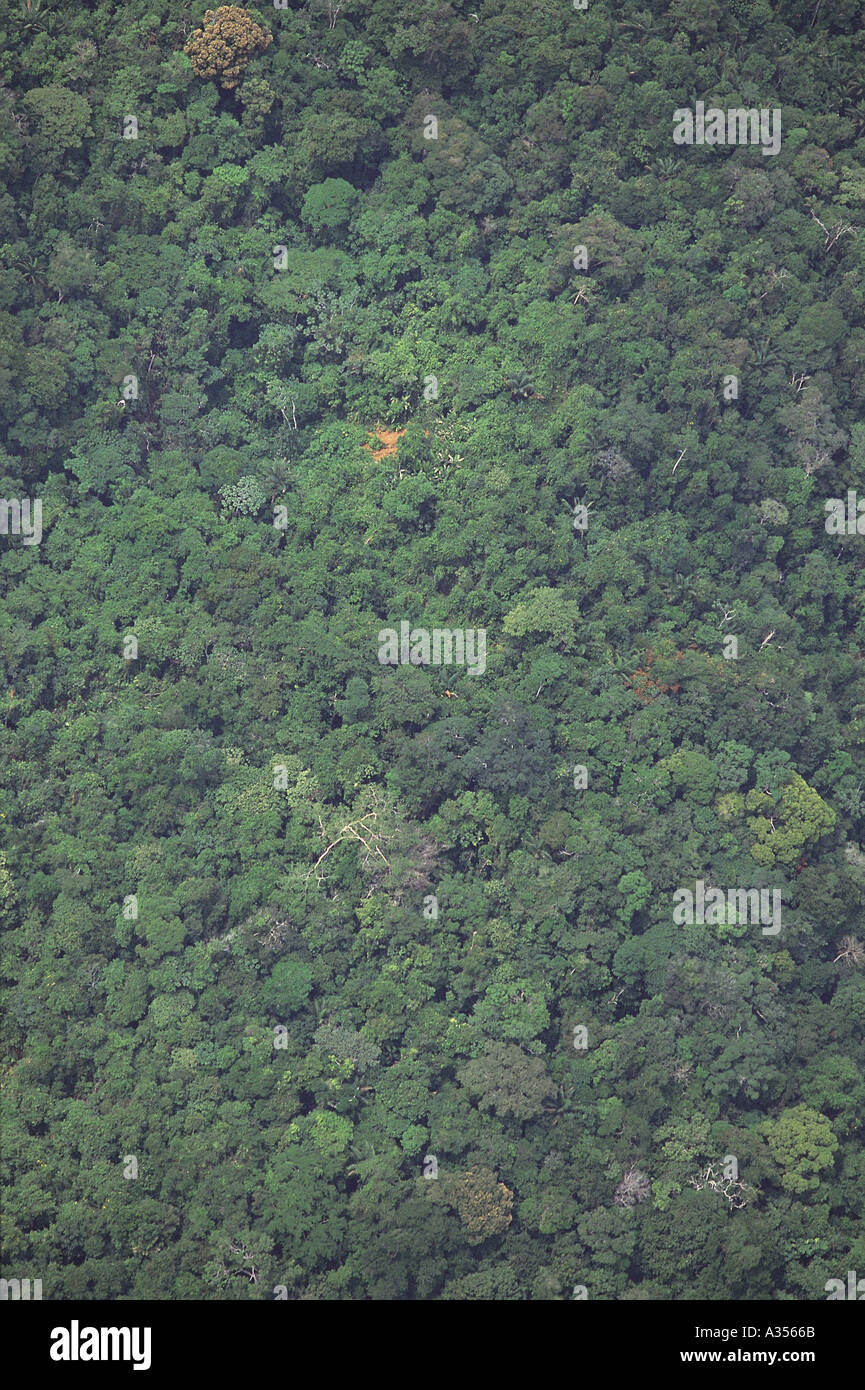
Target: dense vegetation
{"x":305,"y":941}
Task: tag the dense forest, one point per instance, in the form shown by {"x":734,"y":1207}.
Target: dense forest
{"x":432,"y":632}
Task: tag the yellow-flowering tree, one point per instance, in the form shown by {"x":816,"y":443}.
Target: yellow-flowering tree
{"x":228,"y":40}
{"x":484,"y":1205}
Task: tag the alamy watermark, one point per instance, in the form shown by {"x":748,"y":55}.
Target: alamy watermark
{"x":442,"y":647}
{"x":738,"y":905}
{"x":20,"y":515}
{"x":19,"y":1290}
{"x":845,"y":521}
{"x":855,"y":1288}
{"x":77,"y":1343}
{"x":734,"y":127}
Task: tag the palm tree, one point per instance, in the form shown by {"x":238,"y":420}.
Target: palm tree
{"x":851,"y":799}
{"x":561,"y":1103}
{"x":643,"y":20}
{"x":520,"y":385}
{"x":35,"y":15}
{"x":31,"y":268}
{"x":277,"y":477}
{"x":763,"y":354}
{"x":666,"y":166}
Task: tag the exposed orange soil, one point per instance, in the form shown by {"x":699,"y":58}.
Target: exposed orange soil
{"x":388,"y":439}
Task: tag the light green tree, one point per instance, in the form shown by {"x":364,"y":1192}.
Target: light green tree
{"x":787,"y":821}
{"x":802,"y":1142}
{"x":545,"y":611}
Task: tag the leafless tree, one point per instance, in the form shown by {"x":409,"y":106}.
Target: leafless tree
{"x":731,"y":1188}
{"x":635,"y":1187}
{"x":851,"y":952}
{"x":833,"y":234}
